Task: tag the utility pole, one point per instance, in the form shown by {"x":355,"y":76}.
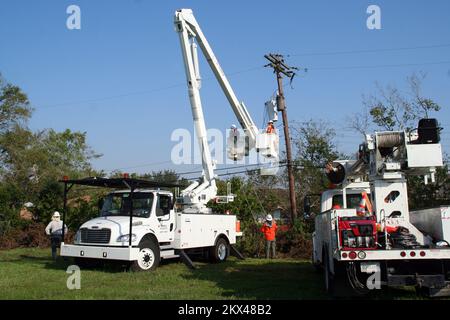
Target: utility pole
{"x":280,"y":68}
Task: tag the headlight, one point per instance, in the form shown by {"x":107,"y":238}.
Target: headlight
{"x":126,"y":238}
{"x":77,"y":238}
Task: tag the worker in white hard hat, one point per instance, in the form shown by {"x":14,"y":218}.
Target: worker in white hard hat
{"x":234,"y":132}
{"x":233,"y":141}
{"x":54,"y":230}
{"x":269,"y":229}
{"x":270,"y":127}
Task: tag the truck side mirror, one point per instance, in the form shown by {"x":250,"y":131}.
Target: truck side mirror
{"x":307,"y":206}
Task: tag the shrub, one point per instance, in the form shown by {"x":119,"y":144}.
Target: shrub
{"x":292,"y":242}
{"x":30,"y":234}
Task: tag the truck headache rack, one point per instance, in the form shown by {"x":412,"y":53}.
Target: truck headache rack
{"x":118,"y":183}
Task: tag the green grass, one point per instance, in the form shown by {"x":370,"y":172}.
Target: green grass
{"x":31,"y":274}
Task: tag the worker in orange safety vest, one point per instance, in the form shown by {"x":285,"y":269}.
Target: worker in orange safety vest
{"x":270,"y":127}
{"x":269,"y":229}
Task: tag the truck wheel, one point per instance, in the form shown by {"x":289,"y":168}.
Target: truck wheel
{"x":148,"y":257}
{"x":219,"y":253}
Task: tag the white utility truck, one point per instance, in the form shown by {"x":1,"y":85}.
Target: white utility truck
{"x":158,"y":230}
{"x":365,"y":236}
{"x":143,"y":224}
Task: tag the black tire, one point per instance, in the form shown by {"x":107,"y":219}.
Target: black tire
{"x":148,"y":258}
{"x":341,"y":285}
{"x":220,"y":251}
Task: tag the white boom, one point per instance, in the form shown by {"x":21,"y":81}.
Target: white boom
{"x":197,"y":195}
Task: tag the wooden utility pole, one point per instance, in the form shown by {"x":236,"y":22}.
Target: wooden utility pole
{"x":280,"y":68}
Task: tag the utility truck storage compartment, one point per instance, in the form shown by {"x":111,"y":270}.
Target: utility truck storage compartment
{"x":201,"y":230}
{"x":424,"y":155}
{"x":435,"y":222}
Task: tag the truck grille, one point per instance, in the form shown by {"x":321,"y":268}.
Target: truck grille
{"x":95,"y":236}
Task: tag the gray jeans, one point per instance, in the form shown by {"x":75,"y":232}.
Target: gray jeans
{"x":270,"y":246}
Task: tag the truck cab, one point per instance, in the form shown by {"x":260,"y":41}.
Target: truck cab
{"x":332,"y":198}
{"x":152,"y":213}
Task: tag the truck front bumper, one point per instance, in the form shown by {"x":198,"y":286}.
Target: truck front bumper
{"x":94,"y":252}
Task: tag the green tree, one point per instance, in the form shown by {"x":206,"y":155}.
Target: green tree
{"x":166,"y":176}
{"x":14,"y":106}
{"x":15,"y":111}
{"x":421,"y":195}
{"x":249,"y":205}
{"x":391,"y":109}
{"x":31,"y":163}
{"x":315,"y":147}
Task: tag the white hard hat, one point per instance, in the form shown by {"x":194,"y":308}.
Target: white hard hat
{"x":269,"y":217}
{"x":233,"y":126}
{"x":56,"y":214}
{"x":28,"y":205}
{"x":270,"y":121}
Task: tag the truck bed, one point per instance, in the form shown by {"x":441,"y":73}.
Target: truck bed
{"x":201,"y":230}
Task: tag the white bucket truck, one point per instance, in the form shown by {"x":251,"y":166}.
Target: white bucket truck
{"x":366,"y":237}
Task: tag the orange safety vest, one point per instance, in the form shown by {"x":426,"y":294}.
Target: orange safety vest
{"x":368,"y":203}
{"x":270,"y":129}
{"x":269,"y":232}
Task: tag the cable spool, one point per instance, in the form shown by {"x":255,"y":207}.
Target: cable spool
{"x":390,"y":139}
{"x":387,"y":142}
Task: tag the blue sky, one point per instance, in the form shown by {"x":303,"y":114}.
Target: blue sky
{"x":120,"y":78}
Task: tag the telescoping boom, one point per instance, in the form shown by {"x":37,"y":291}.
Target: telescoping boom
{"x":197,"y":195}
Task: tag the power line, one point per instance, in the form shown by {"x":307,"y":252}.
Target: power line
{"x":260,"y":67}
{"x":369,"y":50}
{"x":140,"y":92}
{"x":379,"y":66}
{"x":222,"y":169}
{"x":111,"y":97}
{"x":139,"y":166}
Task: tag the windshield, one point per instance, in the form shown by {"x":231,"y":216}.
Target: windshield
{"x":353,"y":200}
{"x":118,"y":204}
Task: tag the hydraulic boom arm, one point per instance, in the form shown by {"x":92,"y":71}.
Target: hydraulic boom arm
{"x":197,"y":196}
{"x":188,"y":29}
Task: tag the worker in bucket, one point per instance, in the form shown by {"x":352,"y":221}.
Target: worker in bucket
{"x":234,"y":134}
{"x":270,"y":127}
{"x":269,"y":229}
{"x":54,"y":230}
